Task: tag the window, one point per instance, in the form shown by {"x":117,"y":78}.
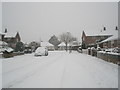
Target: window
{"x":112,"y":43}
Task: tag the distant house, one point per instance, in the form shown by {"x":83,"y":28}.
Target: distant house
{"x":54,"y":41}
{"x":49,"y":46}
{"x":92,"y":40}
{"x":2,"y":43}
{"x":12,"y":39}
{"x":75,"y":45}
{"x":62,"y":46}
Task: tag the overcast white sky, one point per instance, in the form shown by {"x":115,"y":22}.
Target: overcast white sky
{"x":37,"y":20}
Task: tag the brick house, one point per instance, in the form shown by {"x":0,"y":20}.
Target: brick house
{"x":89,"y":41}
{"x":12,"y":40}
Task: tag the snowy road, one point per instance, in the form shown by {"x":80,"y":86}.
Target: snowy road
{"x":59,"y":70}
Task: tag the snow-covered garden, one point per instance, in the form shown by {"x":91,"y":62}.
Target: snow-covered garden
{"x":59,"y":69}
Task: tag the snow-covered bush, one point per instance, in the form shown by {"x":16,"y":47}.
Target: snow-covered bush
{"x":19,"y":47}
{"x":116,"y":50}
{"x":89,"y":48}
{"x":93,"y":48}
{"x":98,"y":49}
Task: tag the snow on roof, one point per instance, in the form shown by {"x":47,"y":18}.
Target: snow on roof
{"x":75,"y":43}
{"x":1,"y":33}
{"x":106,"y":32}
{"x":44,"y":44}
{"x":10,"y":35}
{"x":8,"y":49}
{"x":114,"y":37}
{"x":103,"y":33}
{"x":62,"y":44}
{"x":110,"y":39}
{"x":3,"y":43}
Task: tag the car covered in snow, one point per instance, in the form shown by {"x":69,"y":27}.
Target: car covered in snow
{"x":41,"y":51}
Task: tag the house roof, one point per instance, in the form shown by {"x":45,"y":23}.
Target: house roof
{"x":3,"y":43}
{"x":1,"y":33}
{"x":62,"y":44}
{"x":114,"y":37}
{"x":75,"y":43}
{"x":110,"y":39}
{"x":44,"y":44}
{"x":102,"y":33}
{"x":9,"y":35}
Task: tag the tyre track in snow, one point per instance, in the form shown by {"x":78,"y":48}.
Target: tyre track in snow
{"x":26,"y":74}
{"x":50,"y":72}
{"x":63,"y":71}
{"x":91,"y":79}
{"x":23,"y":65}
{"x":44,"y":67}
{"x":32,"y":72}
{"x":69,"y":75}
{"x":18,"y":67}
{"x":63,"y":74}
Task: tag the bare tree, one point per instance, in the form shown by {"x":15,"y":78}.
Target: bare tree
{"x":67,"y":38}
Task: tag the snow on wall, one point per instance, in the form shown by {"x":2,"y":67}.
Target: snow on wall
{"x":0,"y":58}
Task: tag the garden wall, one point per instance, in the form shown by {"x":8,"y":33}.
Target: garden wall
{"x":107,"y":56}
{"x":8,"y":55}
{"x":110,"y":57}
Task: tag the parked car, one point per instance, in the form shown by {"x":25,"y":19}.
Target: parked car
{"x":41,"y":51}
{"x":28,"y":50}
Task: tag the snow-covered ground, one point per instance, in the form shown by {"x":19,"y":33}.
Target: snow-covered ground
{"x":59,"y":70}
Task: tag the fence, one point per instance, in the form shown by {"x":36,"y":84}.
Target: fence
{"x":109,"y":57}
{"x":8,"y":55}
